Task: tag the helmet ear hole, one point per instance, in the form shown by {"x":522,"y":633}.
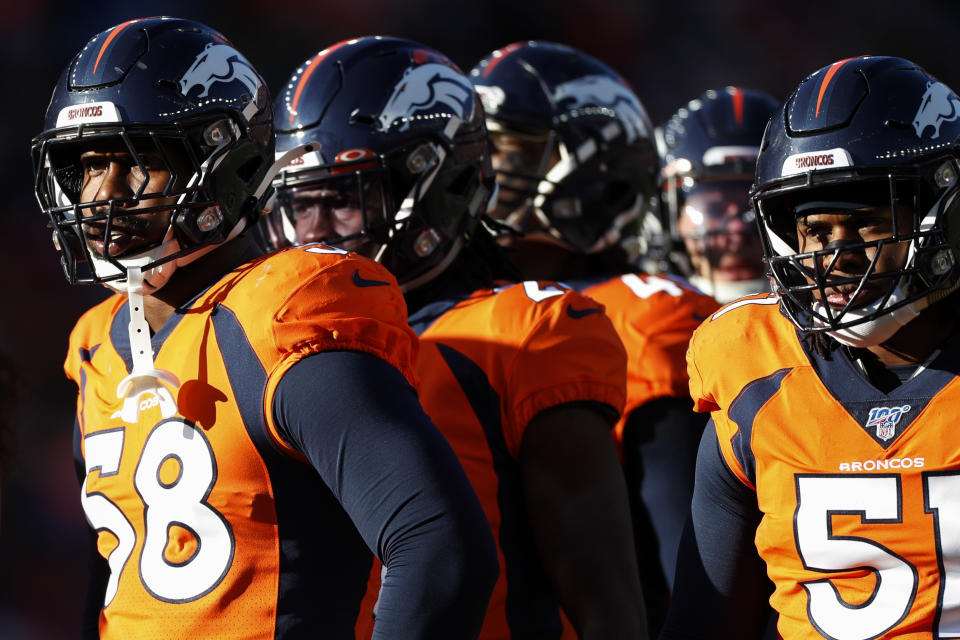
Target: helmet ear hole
{"x":249,"y":169}
{"x":618,"y":196}
{"x":463,"y":181}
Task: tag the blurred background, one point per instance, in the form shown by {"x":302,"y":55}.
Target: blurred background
{"x":669,"y":50}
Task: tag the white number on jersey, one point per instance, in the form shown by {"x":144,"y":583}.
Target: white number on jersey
{"x":181,"y":502}
{"x":538,"y":294}
{"x":877,"y":499}
{"x":644,"y":288}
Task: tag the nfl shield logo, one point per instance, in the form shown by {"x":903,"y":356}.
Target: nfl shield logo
{"x":886,"y":431}
{"x":885,"y":419}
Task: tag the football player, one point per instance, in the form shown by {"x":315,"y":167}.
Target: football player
{"x":830,"y":463}
{"x":709,"y":149}
{"x":247,"y":428}
{"x":577,"y":169}
{"x":524,"y":379}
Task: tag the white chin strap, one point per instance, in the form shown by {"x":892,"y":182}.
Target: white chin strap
{"x":878,"y":330}
{"x":724,"y":292}
{"x":145,"y":381}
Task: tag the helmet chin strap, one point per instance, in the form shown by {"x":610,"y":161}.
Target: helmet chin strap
{"x":145,"y":379}
{"x":878,"y":330}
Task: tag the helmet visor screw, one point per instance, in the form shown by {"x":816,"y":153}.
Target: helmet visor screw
{"x":941,"y":262}
{"x":945,"y":175}
{"x":210,"y":219}
{"x":421,"y":158}
{"x":426,"y":243}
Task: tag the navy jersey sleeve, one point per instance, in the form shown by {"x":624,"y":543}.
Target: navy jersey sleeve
{"x":401,"y":485}
{"x":720,"y":589}
{"x":660,"y":440}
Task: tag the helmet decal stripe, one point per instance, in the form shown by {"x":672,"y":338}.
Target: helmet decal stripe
{"x":827,"y":77}
{"x":113,"y":34}
{"x":500,"y":55}
{"x":736,"y":94}
{"x":306,"y":76}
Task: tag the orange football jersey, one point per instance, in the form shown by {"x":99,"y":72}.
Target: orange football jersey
{"x":186,"y":508}
{"x":855,"y":486}
{"x":654,"y":315}
{"x":488,"y":363}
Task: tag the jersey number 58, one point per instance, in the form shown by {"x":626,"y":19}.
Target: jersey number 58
{"x":169,"y":499}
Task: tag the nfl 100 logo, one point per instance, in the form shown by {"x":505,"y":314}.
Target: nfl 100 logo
{"x":885,"y":419}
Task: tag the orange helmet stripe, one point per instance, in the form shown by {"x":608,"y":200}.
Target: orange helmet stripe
{"x":106,"y":43}
{"x":306,"y":75}
{"x":499,"y":55}
{"x":827,"y":77}
{"x":736,"y":94}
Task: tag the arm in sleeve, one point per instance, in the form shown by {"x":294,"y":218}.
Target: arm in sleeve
{"x":402,"y":486}
{"x":721,"y":588}
{"x":576,"y":501}
{"x":98,"y":571}
{"x":660,"y":441}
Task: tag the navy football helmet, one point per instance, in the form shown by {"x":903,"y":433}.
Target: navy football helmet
{"x":874,"y":137}
{"x":707,"y":229}
{"x":171,"y":93}
{"x":576,"y":155}
{"x":385,"y":152}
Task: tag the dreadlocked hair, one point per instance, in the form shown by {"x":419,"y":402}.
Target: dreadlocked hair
{"x":822,"y":344}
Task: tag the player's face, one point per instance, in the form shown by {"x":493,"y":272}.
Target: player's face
{"x":331,"y":210}
{"x":719,"y":232}
{"x":833,"y":230}
{"x":519,"y":160}
{"x":110,"y":172}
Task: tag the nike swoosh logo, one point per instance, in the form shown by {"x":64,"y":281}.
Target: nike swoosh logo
{"x":360,"y":281}
{"x":576,"y":314}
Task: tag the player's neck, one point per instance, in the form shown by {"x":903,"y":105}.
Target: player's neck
{"x":192,"y":279}
{"x":544,"y":260}
{"x":918,"y":339}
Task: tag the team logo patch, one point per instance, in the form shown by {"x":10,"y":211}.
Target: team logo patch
{"x":604,"y":91}
{"x":218,"y":63}
{"x":422,"y":88}
{"x":938,"y":105}
{"x":885,"y":419}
